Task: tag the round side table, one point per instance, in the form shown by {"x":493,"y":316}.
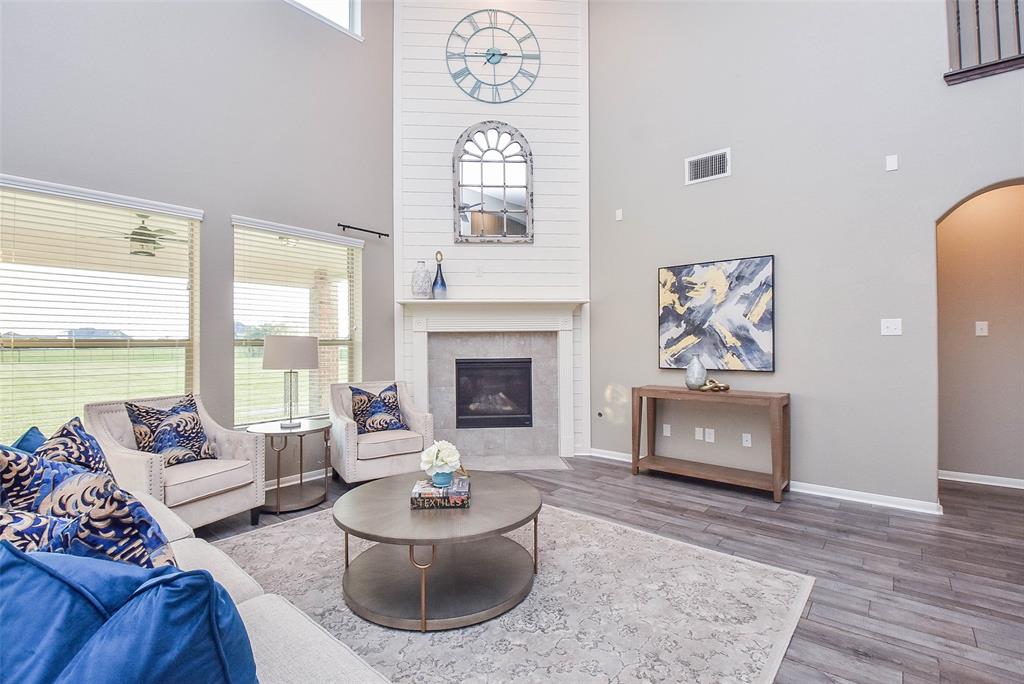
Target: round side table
{"x":303,"y":494}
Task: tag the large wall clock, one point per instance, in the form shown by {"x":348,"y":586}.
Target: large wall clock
{"x":493,"y":56}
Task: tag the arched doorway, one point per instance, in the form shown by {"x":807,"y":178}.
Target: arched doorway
{"x":980,"y":292}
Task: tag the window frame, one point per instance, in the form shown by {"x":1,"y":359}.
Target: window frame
{"x":191,"y":344}
{"x":355,"y":18}
{"x":353,"y":344}
{"x":458,"y":208}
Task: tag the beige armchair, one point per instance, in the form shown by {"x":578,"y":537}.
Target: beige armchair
{"x":358,"y":457}
{"x":199,"y":492}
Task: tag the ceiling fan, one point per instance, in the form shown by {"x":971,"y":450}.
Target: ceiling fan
{"x":144,"y":240}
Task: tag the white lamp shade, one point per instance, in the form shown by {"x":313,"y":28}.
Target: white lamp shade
{"x":290,"y":352}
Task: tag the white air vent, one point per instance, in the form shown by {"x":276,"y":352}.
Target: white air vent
{"x":705,"y":167}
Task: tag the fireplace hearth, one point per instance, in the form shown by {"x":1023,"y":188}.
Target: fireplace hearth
{"x":493,"y":393}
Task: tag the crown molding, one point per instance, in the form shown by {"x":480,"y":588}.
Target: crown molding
{"x":74,"y":192}
{"x":260,"y":224}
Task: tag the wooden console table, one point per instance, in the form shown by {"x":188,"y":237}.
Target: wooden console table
{"x":778,"y":411}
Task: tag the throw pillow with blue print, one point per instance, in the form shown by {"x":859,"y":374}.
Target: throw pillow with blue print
{"x":176,"y":433}
{"x":99,"y":532}
{"x":25,"y":476}
{"x":72,"y":444}
{"x":65,"y":508}
{"x":377,"y":412}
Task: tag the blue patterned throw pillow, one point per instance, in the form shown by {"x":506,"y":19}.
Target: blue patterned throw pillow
{"x":108,"y":530}
{"x":377,"y":412}
{"x":65,"y":508}
{"x":72,"y":444}
{"x":26,"y":477}
{"x":176,"y":433}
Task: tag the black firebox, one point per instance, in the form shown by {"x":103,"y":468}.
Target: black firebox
{"x":493,"y":393}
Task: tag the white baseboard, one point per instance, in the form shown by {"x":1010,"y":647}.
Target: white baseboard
{"x":993,"y":480}
{"x":289,"y":480}
{"x":604,"y":453}
{"x":868,"y":497}
{"x":819,"y":490}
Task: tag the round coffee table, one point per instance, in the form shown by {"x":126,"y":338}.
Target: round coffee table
{"x":467,"y":574}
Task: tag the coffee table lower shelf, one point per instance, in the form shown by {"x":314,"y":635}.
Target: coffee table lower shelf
{"x":466,"y":583}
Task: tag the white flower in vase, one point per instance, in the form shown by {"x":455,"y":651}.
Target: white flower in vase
{"x":440,"y":457}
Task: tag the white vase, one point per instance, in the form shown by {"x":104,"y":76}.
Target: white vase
{"x":421,"y":281}
{"x":696,"y":374}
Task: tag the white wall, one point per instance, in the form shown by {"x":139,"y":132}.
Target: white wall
{"x":811,"y":96}
{"x":430,"y":114}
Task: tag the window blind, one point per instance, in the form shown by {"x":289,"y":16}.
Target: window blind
{"x":288,"y":283}
{"x":97,"y":303}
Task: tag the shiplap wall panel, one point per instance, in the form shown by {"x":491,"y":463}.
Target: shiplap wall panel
{"x":430,"y":114}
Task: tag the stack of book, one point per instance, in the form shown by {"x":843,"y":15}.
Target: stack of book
{"x":426,"y":495}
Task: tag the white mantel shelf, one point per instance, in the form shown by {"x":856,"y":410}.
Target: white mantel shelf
{"x":455,"y":302}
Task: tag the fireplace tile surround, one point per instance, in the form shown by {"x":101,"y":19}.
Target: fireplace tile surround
{"x":479,"y":443}
{"x":436,"y":332}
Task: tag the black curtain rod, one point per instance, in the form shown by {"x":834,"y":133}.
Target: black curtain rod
{"x":379,"y":234}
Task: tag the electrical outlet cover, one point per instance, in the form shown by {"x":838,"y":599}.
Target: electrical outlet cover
{"x":666,"y":429}
{"x":746,"y":440}
{"x":698,"y":434}
{"x":709,"y":435}
{"x":892,"y":326}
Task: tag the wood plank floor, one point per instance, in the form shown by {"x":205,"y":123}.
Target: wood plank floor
{"x":899,"y":597}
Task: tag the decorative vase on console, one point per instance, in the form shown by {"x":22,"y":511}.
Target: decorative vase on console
{"x":439,"y":290}
{"x":421,"y":281}
{"x":696,"y":374}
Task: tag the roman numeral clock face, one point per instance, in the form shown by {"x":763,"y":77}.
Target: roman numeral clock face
{"x":493,"y":56}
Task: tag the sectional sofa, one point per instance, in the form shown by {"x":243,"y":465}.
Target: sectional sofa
{"x":288,"y":646}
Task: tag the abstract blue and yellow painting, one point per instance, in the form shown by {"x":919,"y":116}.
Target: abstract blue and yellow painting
{"x":720,"y":311}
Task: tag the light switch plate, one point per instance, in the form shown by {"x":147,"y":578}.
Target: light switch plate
{"x":892,"y":162}
{"x":709,"y":435}
{"x":698,"y":434}
{"x":892,"y":326}
{"x":746,"y":440}
{"x":981,"y":328}
{"x":666,"y":429}
{"x":618,"y":214}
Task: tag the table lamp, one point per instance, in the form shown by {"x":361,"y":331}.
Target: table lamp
{"x":290,"y":353}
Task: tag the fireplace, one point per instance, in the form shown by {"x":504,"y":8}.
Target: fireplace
{"x":493,"y":393}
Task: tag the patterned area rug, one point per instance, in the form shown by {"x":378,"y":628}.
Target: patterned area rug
{"x":611,"y":604}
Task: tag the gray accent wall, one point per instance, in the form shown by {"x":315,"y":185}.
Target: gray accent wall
{"x":811,"y":97}
{"x":981,"y":379}
{"x":252,"y":108}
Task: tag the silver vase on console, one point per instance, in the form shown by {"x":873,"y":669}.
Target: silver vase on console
{"x":696,"y":374}
{"x":421,"y":281}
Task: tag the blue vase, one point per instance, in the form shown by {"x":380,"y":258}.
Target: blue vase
{"x":442,"y":479}
{"x":439,"y":290}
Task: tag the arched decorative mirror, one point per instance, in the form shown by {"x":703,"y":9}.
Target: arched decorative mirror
{"x":492,"y":169}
